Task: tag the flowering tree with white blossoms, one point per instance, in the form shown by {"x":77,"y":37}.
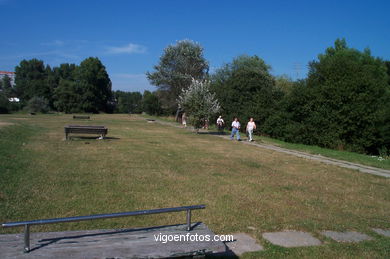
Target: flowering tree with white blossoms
{"x":198,"y":102}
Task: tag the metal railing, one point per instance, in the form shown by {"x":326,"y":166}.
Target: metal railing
{"x":27,"y":224}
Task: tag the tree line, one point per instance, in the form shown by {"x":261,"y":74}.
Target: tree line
{"x":343,"y":103}
{"x":70,"y":88}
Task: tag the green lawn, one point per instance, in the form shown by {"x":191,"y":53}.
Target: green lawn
{"x":369,"y":160}
{"x":146,"y":165}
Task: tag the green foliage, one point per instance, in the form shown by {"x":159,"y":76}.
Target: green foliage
{"x":342,"y":105}
{"x":4,"y":103}
{"x":67,"y":88}
{"x":52,"y":82}
{"x":284,"y":83}
{"x":178,"y":65}
{"x":65,"y":71}
{"x":68,"y":97}
{"x":95,"y":85}
{"x":198,"y":102}
{"x":38,"y":104}
{"x":151,"y":103}
{"x":6,"y":87}
{"x":128,"y":102}
{"x":245,"y":89}
{"x":30,"y":80}
{"x":387,"y":64}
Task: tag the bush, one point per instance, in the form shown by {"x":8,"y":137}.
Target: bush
{"x":4,"y":104}
{"x":38,"y":104}
{"x":343,"y":104}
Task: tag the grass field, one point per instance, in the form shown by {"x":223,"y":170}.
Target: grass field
{"x":375,"y":161}
{"x":147,"y":165}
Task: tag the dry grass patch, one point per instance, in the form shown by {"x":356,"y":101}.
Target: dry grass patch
{"x":3,"y":124}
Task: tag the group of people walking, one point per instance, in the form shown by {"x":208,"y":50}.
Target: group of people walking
{"x":250,"y":127}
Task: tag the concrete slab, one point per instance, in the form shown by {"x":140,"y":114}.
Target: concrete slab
{"x":383,"y":232}
{"x":291,"y":239}
{"x":125,"y":243}
{"x":243,"y":243}
{"x":349,"y":236}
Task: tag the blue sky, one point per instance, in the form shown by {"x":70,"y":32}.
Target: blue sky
{"x":129,"y":36}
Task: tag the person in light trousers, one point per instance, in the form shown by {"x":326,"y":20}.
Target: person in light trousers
{"x":235,"y":129}
{"x":250,"y":127}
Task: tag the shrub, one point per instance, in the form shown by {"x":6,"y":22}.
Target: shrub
{"x":38,"y":104}
{"x":4,"y":104}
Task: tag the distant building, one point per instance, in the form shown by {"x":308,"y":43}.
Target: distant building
{"x":9,"y":74}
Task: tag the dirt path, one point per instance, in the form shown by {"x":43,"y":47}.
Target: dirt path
{"x":319,"y":158}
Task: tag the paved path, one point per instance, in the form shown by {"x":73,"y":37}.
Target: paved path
{"x":319,"y":158}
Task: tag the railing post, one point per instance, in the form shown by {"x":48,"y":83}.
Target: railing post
{"x":188,"y":220}
{"x":26,"y":238}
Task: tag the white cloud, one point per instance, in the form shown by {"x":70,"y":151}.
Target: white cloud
{"x":130,"y":48}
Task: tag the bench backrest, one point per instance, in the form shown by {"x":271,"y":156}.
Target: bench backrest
{"x":86,"y":129}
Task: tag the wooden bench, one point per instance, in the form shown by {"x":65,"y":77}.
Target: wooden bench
{"x":82,"y":117}
{"x":84,"y":129}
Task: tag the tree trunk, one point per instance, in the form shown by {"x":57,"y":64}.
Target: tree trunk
{"x":177,"y":115}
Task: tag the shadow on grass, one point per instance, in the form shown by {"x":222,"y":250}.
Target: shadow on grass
{"x":91,"y":138}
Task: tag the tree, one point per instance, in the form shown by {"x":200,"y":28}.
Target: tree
{"x":342,"y":105}
{"x":30,"y":80}
{"x":284,"y":83}
{"x":38,"y":104}
{"x":245,"y":89}
{"x":52,"y":84}
{"x":198,"y":102}
{"x":66,"y":71}
{"x":290,"y":120}
{"x":351,"y":86}
{"x":387,"y":64}
{"x":151,"y":103}
{"x":95,"y":85}
{"x":4,"y":103}
{"x":178,"y":65}
{"x":128,"y":102}
{"x":67,"y":97}
{"x":66,"y":93}
{"x":6,"y":87}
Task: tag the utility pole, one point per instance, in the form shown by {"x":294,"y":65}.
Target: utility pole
{"x":297,"y":68}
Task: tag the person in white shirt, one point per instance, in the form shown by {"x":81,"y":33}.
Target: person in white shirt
{"x":184,"y":120}
{"x":235,"y":129}
{"x":249,"y":128}
{"x":220,"y":123}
